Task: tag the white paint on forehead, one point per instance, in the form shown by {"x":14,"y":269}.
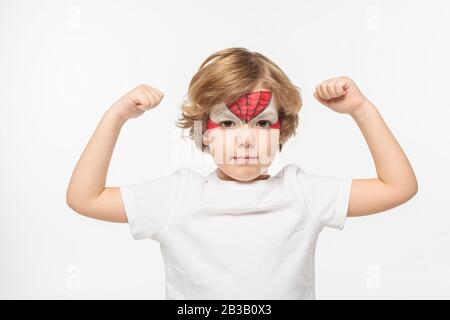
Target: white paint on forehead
{"x":220,"y":112}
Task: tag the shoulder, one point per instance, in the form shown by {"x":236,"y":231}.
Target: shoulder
{"x":176,"y":179}
{"x":188,"y":176}
{"x":290,"y":175}
{"x":292,"y":170}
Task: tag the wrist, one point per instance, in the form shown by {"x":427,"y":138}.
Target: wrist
{"x":362,"y":109}
{"x":114,"y":116}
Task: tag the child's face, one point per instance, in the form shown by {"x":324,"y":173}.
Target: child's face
{"x":243,"y":136}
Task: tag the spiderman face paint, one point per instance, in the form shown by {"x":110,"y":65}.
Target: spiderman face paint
{"x":256,"y":109}
{"x":235,"y":135}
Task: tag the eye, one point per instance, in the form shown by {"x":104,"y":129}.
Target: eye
{"x":263,"y":123}
{"x":227,"y":123}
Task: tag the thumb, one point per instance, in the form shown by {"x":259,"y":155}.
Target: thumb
{"x":319,"y":98}
{"x":316,"y":95}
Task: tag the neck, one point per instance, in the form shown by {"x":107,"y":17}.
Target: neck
{"x":223,"y":176}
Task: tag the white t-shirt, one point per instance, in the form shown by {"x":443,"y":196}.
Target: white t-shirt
{"x":234,"y":240}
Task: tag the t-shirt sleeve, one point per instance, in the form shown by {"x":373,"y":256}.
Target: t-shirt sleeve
{"x":150,"y":204}
{"x":329,"y":197}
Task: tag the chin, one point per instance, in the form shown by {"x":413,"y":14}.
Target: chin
{"x":243,"y":172}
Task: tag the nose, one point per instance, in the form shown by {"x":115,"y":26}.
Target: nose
{"x":246,"y":137}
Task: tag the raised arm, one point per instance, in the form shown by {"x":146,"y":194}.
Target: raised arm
{"x":86,"y":193}
{"x":396,"y":182}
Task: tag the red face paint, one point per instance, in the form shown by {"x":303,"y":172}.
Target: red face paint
{"x":248,"y":106}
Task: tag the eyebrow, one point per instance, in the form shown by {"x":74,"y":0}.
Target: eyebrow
{"x":224,"y":114}
{"x":228,"y":117}
{"x":267,"y":115}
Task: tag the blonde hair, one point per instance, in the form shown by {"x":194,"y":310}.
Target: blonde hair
{"x":227,"y":75}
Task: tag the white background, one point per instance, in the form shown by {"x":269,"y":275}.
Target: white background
{"x":63,"y":63}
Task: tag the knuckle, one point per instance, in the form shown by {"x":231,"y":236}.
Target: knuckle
{"x":145,"y":100}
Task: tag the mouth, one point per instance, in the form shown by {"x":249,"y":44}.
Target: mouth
{"x":244,"y":158}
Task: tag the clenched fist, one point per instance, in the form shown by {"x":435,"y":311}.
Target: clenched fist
{"x":340,"y":94}
{"x":137,"y":101}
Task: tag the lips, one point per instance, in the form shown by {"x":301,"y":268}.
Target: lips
{"x":245,"y":157}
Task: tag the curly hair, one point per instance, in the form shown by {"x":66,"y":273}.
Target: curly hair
{"x":227,"y":75}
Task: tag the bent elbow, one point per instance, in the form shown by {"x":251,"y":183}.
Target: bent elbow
{"x":406,"y":191}
{"x":72,"y":205}
{"x":414,"y":189}
{"x":408,"y":194}
{"x":75,"y":204}
{"x":70,"y":201}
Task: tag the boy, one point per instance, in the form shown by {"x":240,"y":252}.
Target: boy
{"x":239,"y":233}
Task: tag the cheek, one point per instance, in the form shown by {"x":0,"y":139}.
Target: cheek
{"x":220,"y":137}
{"x":221,"y":144}
{"x":268,"y":142}
{"x":268,"y":146}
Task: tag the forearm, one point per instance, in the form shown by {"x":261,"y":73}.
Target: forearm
{"x":89,"y":176}
{"x":392,"y":165}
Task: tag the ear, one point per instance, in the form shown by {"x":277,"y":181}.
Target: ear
{"x":206,"y":141}
{"x":205,"y":137}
